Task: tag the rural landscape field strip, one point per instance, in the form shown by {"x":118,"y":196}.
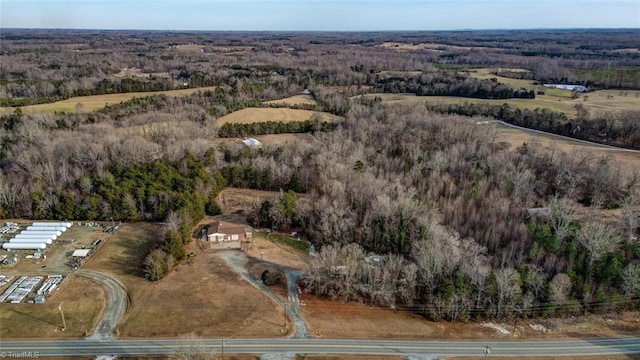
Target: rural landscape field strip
{"x":330,"y":346}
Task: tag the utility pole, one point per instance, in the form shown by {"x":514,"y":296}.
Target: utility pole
{"x":64,"y":323}
{"x":487,"y":351}
{"x":223,"y":349}
{"x":518,"y":312}
{"x":285,"y":316}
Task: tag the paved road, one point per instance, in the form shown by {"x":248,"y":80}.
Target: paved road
{"x":117,"y":303}
{"x":325,"y":346}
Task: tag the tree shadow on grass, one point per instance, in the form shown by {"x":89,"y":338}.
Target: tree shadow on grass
{"x":134,"y":249}
{"x":35,"y":318}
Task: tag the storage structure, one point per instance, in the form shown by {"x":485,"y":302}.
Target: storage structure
{"x":24,"y":246}
{"x":36,"y":236}
{"x":41,"y":240}
{"x":52,"y":223}
{"x":46,"y":228}
{"x":39,"y":232}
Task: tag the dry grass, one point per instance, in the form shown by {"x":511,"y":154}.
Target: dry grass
{"x":599,"y":357}
{"x":628,"y":161}
{"x":277,"y":252}
{"x":295,"y":100}
{"x":95,"y":102}
{"x":347,"y":357}
{"x":240,"y":201}
{"x":429,"y":46}
{"x":253,"y":115}
{"x":83,"y":301}
{"x":190,"y":48}
{"x":330,"y":319}
{"x":279,"y":139}
{"x":202,"y":295}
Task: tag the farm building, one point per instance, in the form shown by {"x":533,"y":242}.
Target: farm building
{"x":81,"y":253}
{"x":224,"y":235}
{"x":578,"y":88}
{"x":251,"y":143}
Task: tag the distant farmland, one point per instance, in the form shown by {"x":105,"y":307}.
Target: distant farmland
{"x":95,"y":102}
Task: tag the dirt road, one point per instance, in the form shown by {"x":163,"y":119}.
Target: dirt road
{"x":117,"y":304}
{"x":237,"y":261}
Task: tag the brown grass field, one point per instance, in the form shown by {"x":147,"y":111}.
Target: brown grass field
{"x":95,"y":102}
{"x":201,"y":296}
{"x":190,"y":48}
{"x":428,"y":46}
{"x":83,"y":301}
{"x":294,"y":100}
{"x":331,"y":319}
{"x":628,"y":161}
{"x":252,"y":115}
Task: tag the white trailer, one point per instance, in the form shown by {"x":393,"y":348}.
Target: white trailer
{"x":46,"y":228}
{"x":52,"y":223}
{"x":46,"y":232}
{"x":36,"y":236}
{"x":17,"y":241}
{"x":24,"y":246}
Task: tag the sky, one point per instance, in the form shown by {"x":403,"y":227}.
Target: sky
{"x":319,"y":15}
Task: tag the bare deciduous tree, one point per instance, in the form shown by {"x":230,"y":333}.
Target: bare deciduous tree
{"x":598,"y":239}
{"x":559,"y":289}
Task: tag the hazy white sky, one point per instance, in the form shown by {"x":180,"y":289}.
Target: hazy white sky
{"x":350,"y":15}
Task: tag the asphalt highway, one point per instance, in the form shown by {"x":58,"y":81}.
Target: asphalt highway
{"x":319,"y":346}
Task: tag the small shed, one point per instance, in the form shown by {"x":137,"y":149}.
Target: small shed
{"x":81,"y":253}
{"x":251,"y":143}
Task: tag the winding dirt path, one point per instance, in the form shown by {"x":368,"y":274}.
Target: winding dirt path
{"x":117,"y":304}
{"x":237,"y":261}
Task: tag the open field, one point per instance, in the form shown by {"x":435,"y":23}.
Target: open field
{"x":538,"y":102}
{"x":609,"y":100}
{"x":628,"y":161}
{"x":294,"y":100}
{"x":190,"y":48}
{"x":253,"y":115}
{"x":94,"y":102}
{"x":240,"y":201}
{"x":202,"y":295}
{"x":331,"y":319}
{"x":279,"y":139}
{"x":83,"y":301}
{"x":279,"y":250}
{"x":601,"y":100}
{"x":428,"y":46}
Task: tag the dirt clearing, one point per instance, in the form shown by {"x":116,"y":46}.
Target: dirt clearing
{"x":254,"y":115}
{"x":294,"y":100}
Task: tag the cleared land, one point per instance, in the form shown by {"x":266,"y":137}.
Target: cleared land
{"x":253,"y":115}
{"x":628,"y":161}
{"x":94,"y":102}
{"x":294,"y":100}
{"x":83,"y":301}
{"x":330,"y":319}
{"x":202,"y":296}
{"x":601,"y":100}
{"x":428,"y":46}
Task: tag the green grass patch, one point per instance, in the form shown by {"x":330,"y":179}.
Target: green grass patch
{"x":286,"y":240}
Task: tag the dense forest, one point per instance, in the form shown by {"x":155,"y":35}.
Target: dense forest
{"x":468,"y":228}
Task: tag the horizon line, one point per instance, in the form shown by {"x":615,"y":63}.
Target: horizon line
{"x":325,"y":31}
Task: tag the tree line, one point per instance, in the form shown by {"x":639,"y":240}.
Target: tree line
{"x":452,"y":84}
